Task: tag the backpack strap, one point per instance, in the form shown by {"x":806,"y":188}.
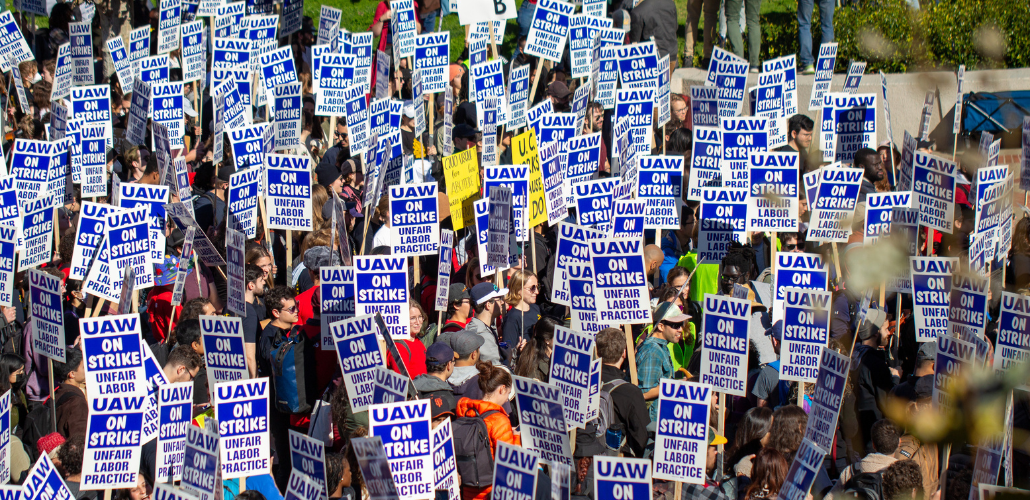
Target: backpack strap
{"x":611,"y":386}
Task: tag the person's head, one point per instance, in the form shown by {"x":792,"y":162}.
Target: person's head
{"x":341,"y":135}
{"x":789,"y":243}
{"x":611,"y":346}
{"x":187,"y":333}
{"x":464,"y":137}
{"x":735,"y":268}
{"x":799,"y":131}
{"x":417,"y":318}
{"x":926,"y":358}
{"x":714,"y":440}
{"x":871,"y":163}
{"x":595,"y":116}
{"x":788,"y":428}
{"x":337,"y":474}
{"x":182,"y":365}
{"x":676,"y":278}
{"x":679,"y":108}
{"x":653,"y":258}
{"x":768,"y":471}
{"x":12,"y":372}
{"x":873,"y":331}
{"x":538,"y":347}
{"x":957,"y":482}
{"x":255,"y":279}
{"x":522,"y":288}
{"x":282,"y":307}
{"x":195,"y":308}
{"x":559,"y":94}
{"x":466,"y":346}
{"x":440,"y":360}
{"x":885,"y":436}
{"x":258,"y":255}
{"x":250,"y":495}
{"x":494,"y":381}
{"x":319,"y":256}
{"x":487,"y":301}
{"x":679,"y":142}
{"x":753,"y":427}
{"x":70,"y":454}
{"x":72,"y":371}
{"x":459,"y":302}
{"x":669,"y":322}
{"x":903,"y":480}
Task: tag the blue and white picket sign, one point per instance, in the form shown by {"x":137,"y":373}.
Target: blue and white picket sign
{"x":81,"y":39}
{"x":288,"y":191}
{"x":389,"y":386}
{"x":357,"y":117}
{"x":361,"y":49}
{"x":620,"y":281}
{"x":5,"y":448}
{"x":638,"y":106}
{"x":375,"y":468}
{"x":153,"y":198}
{"x":302,"y":486}
{"x":787,"y":65}
{"x":194,"y":55}
{"x":113,"y":356}
{"x":63,"y":72}
{"x":826,"y":400}
{"x":931,"y":284}
{"x":728,"y":73}
{"x":201,"y":463}
{"x":335,"y":75}
{"x":445,"y":465}
{"x":823,"y":74}
{"x":44,"y":481}
{"x":8,"y":242}
{"x":834,"y":204}
{"x":243,"y":186}
{"x":584,"y":154}
{"x":356,"y":344}
{"x":985,"y":178}
{"x":594,"y":201}
{"x":405,"y":429}
{"x":627,"y":219}
{"x":516,"y":178}
{"x":278,"y":68}
{"x":808,"y":271}
{"x":139,"y":111}
{"x":604,"y":72}
{"x":934,"y":188}
{"x":328,"y":24}
{"x":487,"y":80}
{"x":420,"y":110}
{"x":514,"y":471}
{"x":582,"y":31}
{"x":854,"y":124}
{"x":130,"y":244}
{"x":1013,"y":333}
{"x":30,"y":166}
{"x":554,"y":185}
{"x":261,"y":31}
{"x":379,"y":117}
{"x":968,"y":306}
{"x":113,"y":442}
{"x":223,"y":349}
{"x":681,"y":440}
{"x":725,"y":339}
{"x":773,"y":188}
{"x":337,"y":295}
{"x":573,"y":247}
{"x":170,"y":491}
{"x":570,"y":372}
{"x":139,"y":48}
{"x":878,"y":209}
{"x":768,"y":101}
{"x":444,"y":267}
{"x":122,"y":64}
{"x":153,"y":69}
{"x":175,"y":410}
{"x":241,"y":408}
{"x":855,"y":71}
{"x":549,"y":30}
{"x":660,"y":184}
{"x":556,"y":127}
{"x":723,"y":220}
{"x":543,"y":420}
{"x":617,"y":477}
{"x":535,"y":113}
{"x":93,"y":105}
{"x":231,"y":53}
{"x":47,"y":315}
{"x":953,"y":358}
{"x":235,"y":244}
{"x":579,"y":279}
{"x":37,"y":223}
{"x":432,"y":57}
{"x":741,"y":137}
{"x":168,"y":26}
{"x":235,"y":107}
{"x":307,"y":459}
{"x":803,"y":471}
{"x":638,"y":65}
{"x":488,"y":109}
{"x":707,"y":154}
{"x":704,"y":106}
{"x":13,"y":47}
{"x":402,"y":28}
{"x":806,"y":330}
{"x":500,"y":225}
{"x":413,"y":218}
{"x":381,"y":286}
{"x":382,"y":89}
{"x":98,"y":279}
{"x":518,"y":96}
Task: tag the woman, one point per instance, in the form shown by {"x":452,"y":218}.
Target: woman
{"x":534,"y":361}
{"x":411,"y":349}
{"x":769,"y":473}
{"x":495,"y":382}
{"x":259,"y":256}
{"x":12,"y":378}
{"x":524,"y":313}
{"x":338,"y":476}
{"x":142,"y":490}
{"x":319,"y":197}
{"x":788,"y":427}
{"x":752,"y":434}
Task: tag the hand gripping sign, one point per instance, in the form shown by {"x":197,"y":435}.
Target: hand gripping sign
{"x":827,"y":398}
{"x":175,"y":409}
{"x":616,"y":477}
{"x":514,"y":472}
{"x":359,"y":355}
{"x":806,"y":330}
{"x":725,"y":340}
{"x":242,"y":411}
{"x":681,"y":439}
{"x":570,"y":372}
{"x":542,"y":415}
{"x":113,"y":442}
{"x":113,"y":357}
{"x":47,"y":315}
{"x":223,"y":349}
{"x":621,"y":285}
{"x":953,"y":358}
{"x":803,"y":470}
{"x":381,"y":286}
{"x":931,"y":283}
{"x":405,"y":430}
{"x":200,"y":469}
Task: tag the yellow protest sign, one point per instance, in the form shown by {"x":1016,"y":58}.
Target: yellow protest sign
{"x":418,"y":149}
{"x":461,"y":172}
{"x":525,"y":153}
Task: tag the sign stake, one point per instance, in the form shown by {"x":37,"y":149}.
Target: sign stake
{"x":631,"y":354}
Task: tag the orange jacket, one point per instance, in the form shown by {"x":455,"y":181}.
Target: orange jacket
{"x":497,"y":424}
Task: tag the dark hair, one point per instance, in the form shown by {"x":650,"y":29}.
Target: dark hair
{"x":9,"y":363}
{"x":72,"y":361}
{"x":71,"y":453}
{"x":863,"y":155}
{"x":752,"y":428}
{"x":536,"y":347}
{"x":902,"y":478}
{"x":611,"y":343}
{"x":885,"y":437}
{"x":275,"y":297}
{"x":680,"y":141}
{"x":187,"y":332}
{"x":491,"y":377}
{"x":788,"y":427}
{"x":252,"y":273}
{"x":182,"y":355}
{"x":958,"y":481}
{"x":798,"y":123}
{"x":768,"y":471}
{"x":335,"y":464}
{"x":741,"y":257}
{"x":250,"y":495}
{"x":152,"y":167}
{"x":192,"y":308}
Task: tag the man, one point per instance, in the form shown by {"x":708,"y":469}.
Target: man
{"x":255,"y":288}
{"x":70,"y":395}
{"x":466,"y":347}
{"x":465,"y":137}
{"x":909,"y":446}
{"x":151,"y":174}
{"x":711,"y":11}
{"x":799,"y":140}
{"x":182,"y":365}
{"x":459,"y":304}
{"x":340,"y":152}
{"x":805,"y":7}
{"x":439,"y":366}
{"x":872,"y":164}
{"x":559,"y":93}
{"x":487,"y":303}
{"x":885,"y":442}
{"x":873,"y":378}
{"x":764,"y":388}
{"x":210,"y":187}
{"x":627,"y":399}
{"x":903,"y":479}
{"x":926,"y":359}
{"x":658,"y":19}
{"x":653,"y":258}
{"x":282,"y":310}
{"x":653,"y":359}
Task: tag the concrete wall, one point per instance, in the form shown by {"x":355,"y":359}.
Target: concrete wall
{"x":905,"y":92}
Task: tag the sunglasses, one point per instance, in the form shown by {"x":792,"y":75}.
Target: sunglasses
{"x":730,"y":277}
{"x":343,"y":135}
{"x":676,"y":326}
{"x":291,"y":310}
{"x":533,"y":289}
{"x":790,"y":247}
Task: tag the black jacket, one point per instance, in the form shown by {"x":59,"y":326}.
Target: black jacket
{"x":656,"y":18}
{"x":630,"y":410}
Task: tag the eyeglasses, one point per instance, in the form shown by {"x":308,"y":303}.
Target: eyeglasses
{"x":533,"y":289}
{"x":730,"y":277}
{"x":291,"y":310}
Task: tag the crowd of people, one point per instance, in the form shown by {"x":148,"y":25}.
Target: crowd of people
{"x":494,"y":328}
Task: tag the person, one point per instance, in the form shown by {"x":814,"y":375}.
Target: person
{"x":340,"y":151}
{"x":386,"y":234}
{"x":873,"y":379}
{"x":903,"y":479}
{"x":559,"y":94}
{"x":680,"y":109}
{"x":713,"y":488}
{"x":12,"y":378}
{"x":767,"y":476}
{"x":764,"y":382}
{"x":735,"y":30}
{"x":315,"y":258}
{"x":653,"y":359}
{"x":254,"y":277}
{"x":495,"y":384}
{"x":628,"y":402}
{"x":182,"y":365}
{"x":282,"y":310}
{"x":439,"y":366}
{"x":459,"y":304}
{"x":1018,"y":275}
{"x":524,"y":312}
{"x":159,"y":301}
{"x":466,"y":347}
{"x":338,"y":477}
{"x":787,"y":430}
{"x":487,"y":301}
{"x":657,"y":19}
{"x":751,"y":435}
{"x":872,"y":164}
{"x":799,"y":140}
{"x":885,"y":439}
{"x":70,"y":397}
{"x":70,"y":455}
{"x":411,"y":349}
{"x":910,"y":447}
{"x":534,"y":360}
{"x":926,"y":358}
{"x":804,"y":15}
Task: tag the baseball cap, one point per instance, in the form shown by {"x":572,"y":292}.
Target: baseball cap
{"x":327,"y":174}
{"x":441,"y":404}
{"x":924,"y":387}
{"x":225,"y":171}
{"x":409,"y":110}
{"x":457,"y":292}
{"x":439,"y":354}
{"x":317,"y":257}
{"x":670,"y":313}
{"x":927,"y":352}
{"x":715,"y":439}
{"x":464,"y":342}
{"x":776,"y":331}
{"x":873,"y":321}
{"x":558,"y":89}
{"x":486,"y":291}
{"x":463,"y":131}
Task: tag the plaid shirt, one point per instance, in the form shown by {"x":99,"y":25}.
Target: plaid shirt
{"x":653,"y":364}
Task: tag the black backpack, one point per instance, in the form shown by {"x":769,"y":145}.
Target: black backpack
{"x":38,"y":423}
{"x":864,"y":485}
{"x":472,"y":450}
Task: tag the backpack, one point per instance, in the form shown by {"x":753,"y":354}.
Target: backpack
{"x":38,"y":423}
{"x":472,"y":450}
{"x":606,"y":417}
{"x":864,"y":485}
{"x":291,"y":358}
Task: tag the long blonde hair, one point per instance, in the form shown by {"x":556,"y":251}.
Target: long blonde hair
{"x":319,"y":197}
{"x":516,"y":284}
